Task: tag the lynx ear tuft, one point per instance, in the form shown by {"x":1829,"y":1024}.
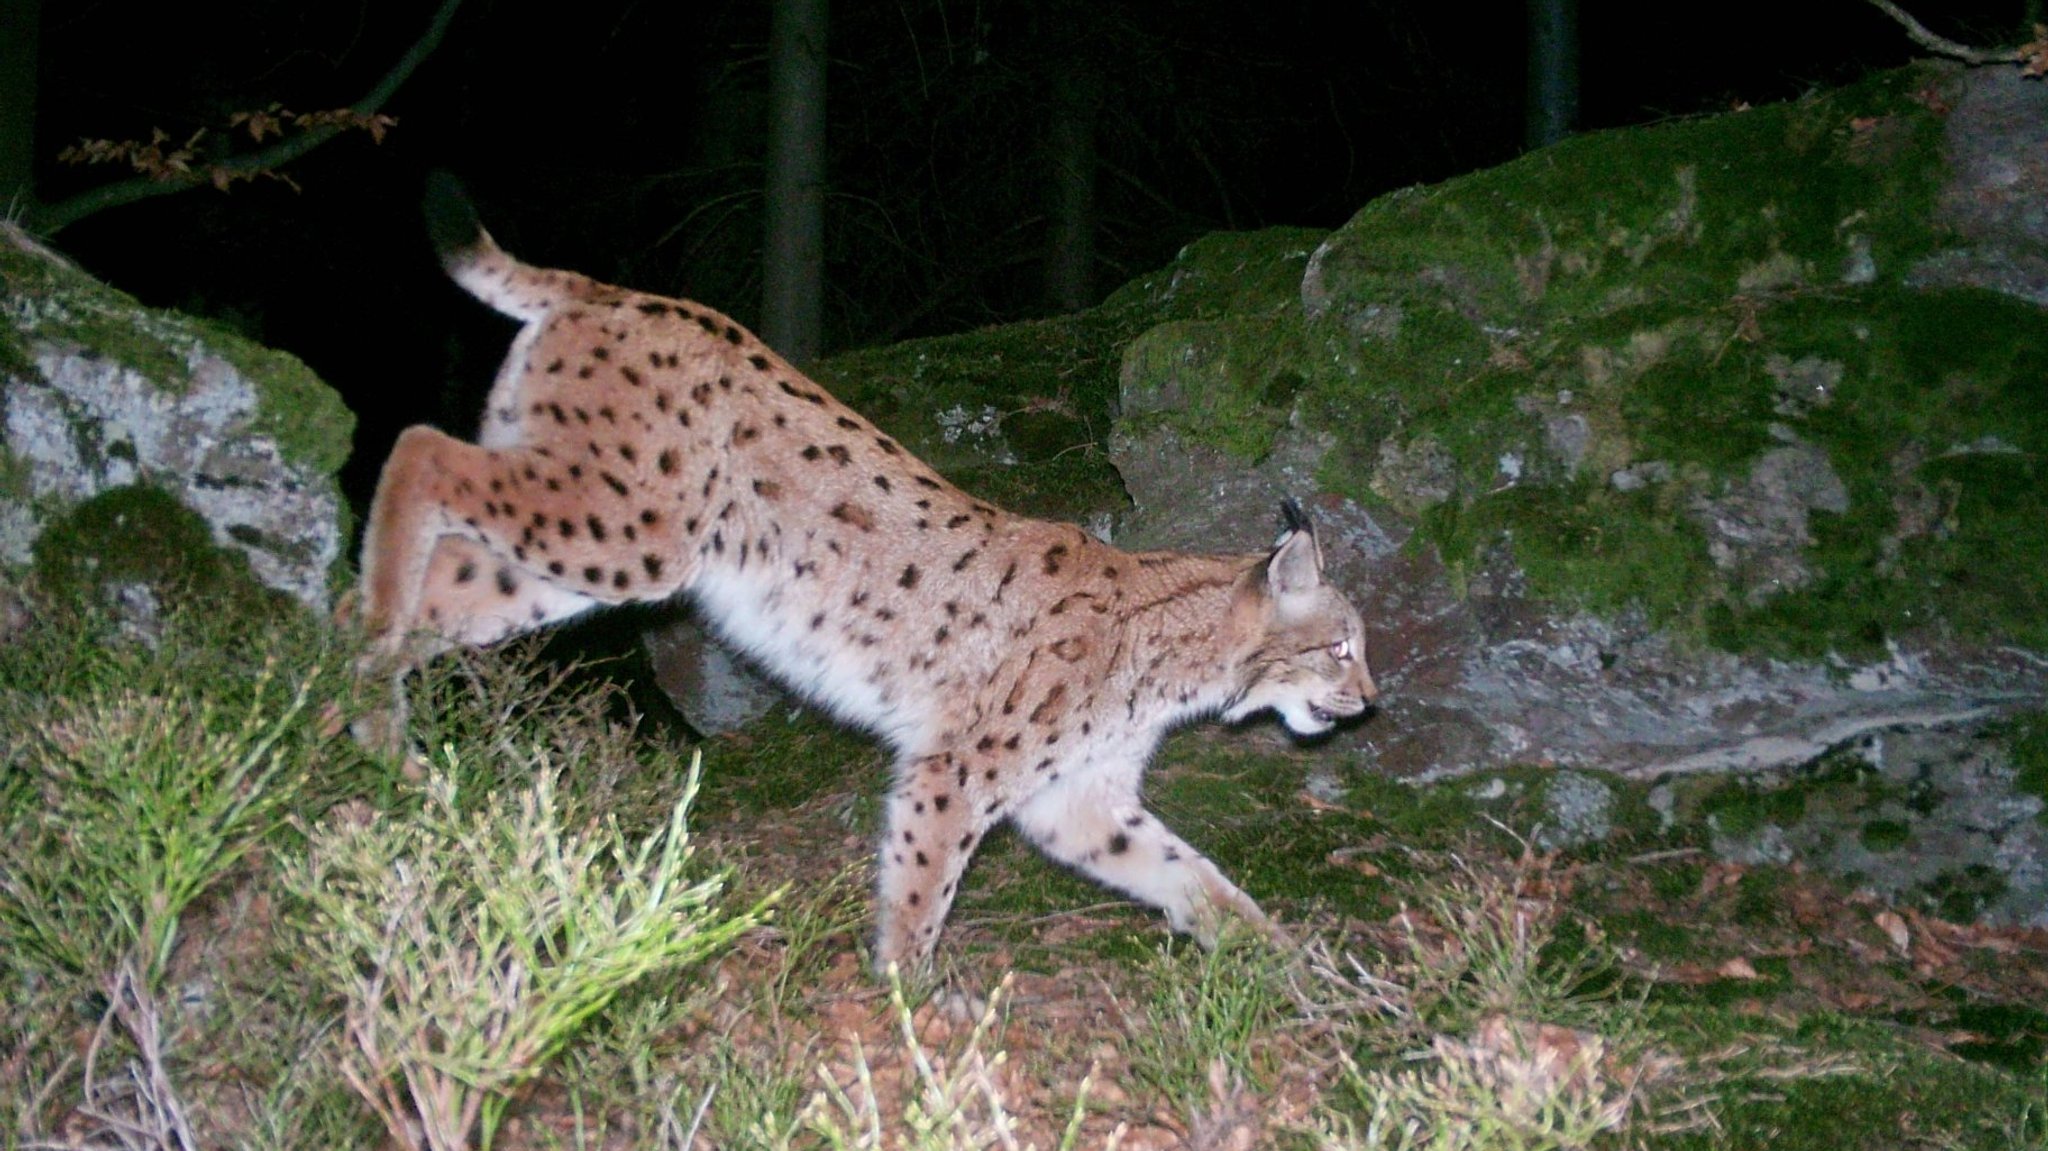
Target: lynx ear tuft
{"x":1296,"y":518}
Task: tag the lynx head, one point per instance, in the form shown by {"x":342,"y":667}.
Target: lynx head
{"x":1307,"y":658}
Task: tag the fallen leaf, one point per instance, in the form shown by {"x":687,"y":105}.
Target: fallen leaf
{"x":1737,"y":968}
{"x":1895,"y":928}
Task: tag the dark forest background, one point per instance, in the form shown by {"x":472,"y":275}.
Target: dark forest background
{"x":627,"y":138}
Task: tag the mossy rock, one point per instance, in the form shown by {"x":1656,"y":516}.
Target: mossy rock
{"x":1681,"y":368}
{"x":1224,"y":274}
{"x":1014,"y":414}
{"x":144,"y":535}
{"x":49,"y":302}
{"x":102,"y":394}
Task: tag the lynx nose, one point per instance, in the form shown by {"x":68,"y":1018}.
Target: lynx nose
{"x":1365,"y":688}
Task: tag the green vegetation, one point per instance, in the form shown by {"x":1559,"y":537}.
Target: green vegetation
{"x":494,"y":930}
{"x":517,"y":946}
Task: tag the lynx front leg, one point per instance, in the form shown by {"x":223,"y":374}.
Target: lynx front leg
{"x":1105,"y":833}
{"x":933,"y":828}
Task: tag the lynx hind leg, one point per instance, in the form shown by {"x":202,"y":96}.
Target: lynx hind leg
{"x":471,"y":597}
{"x":1107,"y":835}
{"x":451,"y":556}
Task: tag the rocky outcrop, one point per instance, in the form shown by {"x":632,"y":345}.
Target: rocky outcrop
{"x":98,"y":393}
{"x":1703,"y":451}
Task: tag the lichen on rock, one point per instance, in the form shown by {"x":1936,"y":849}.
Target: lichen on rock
{"x":100,"y":393}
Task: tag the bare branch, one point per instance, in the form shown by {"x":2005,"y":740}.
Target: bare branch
{"x":47,"y":220}
{"x":1943,"y":46}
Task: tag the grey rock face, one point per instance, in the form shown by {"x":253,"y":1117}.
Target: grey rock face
{"x":107,"y":394}
{"x":713,"y":689}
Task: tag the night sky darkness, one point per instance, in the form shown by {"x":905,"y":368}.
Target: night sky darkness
{"x":623,"y":138}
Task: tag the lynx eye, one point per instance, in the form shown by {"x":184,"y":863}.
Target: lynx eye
{"x":1341,"y":650}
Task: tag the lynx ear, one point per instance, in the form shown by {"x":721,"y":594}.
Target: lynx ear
{"x":1296,"y":565}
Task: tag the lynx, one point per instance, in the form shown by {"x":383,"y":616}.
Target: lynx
{"x":635,"y":448}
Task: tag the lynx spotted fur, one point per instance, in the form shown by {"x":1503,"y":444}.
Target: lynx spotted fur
{"x":637,"y":447}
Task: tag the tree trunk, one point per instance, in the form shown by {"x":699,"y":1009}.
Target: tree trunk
{"x":1553,"y":71}
{"x":793,"y":255}
{"x":19,"y":22}
{"x":1070,"y":246}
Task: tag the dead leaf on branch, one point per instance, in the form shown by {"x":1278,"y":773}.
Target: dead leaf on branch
{"x":152,"y":159}
{"x":269,"y":122}
{"x":2034,"y":54}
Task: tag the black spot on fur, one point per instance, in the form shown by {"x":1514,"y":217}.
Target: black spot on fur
{"x":1119,"y":843}
{"x":465,"y":573}
{"x":909,"y":577}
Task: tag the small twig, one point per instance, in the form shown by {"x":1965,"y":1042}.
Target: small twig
{"x":697,"y":1119}
{"x":49,"y":219}
{"x":1920,"y":35}
{"x":1663,"y":856}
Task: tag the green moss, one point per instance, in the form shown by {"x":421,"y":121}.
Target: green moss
{"x":2009,"y":1035}
{"x":1883,"y":835}
{"x":2026,"y":739}
{"x":1227,"y":383}
{"x":1223,"y":274}
{"x":142,"y":534}
{"x":306,"y":418}
{"x":1654,"y":936}
{"x":1961,"y":896}
{"x":1893,"y":1094}
{"x":1743,"y":807}
{"x":1017,"y":414}
{"x":1586,"y":543}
